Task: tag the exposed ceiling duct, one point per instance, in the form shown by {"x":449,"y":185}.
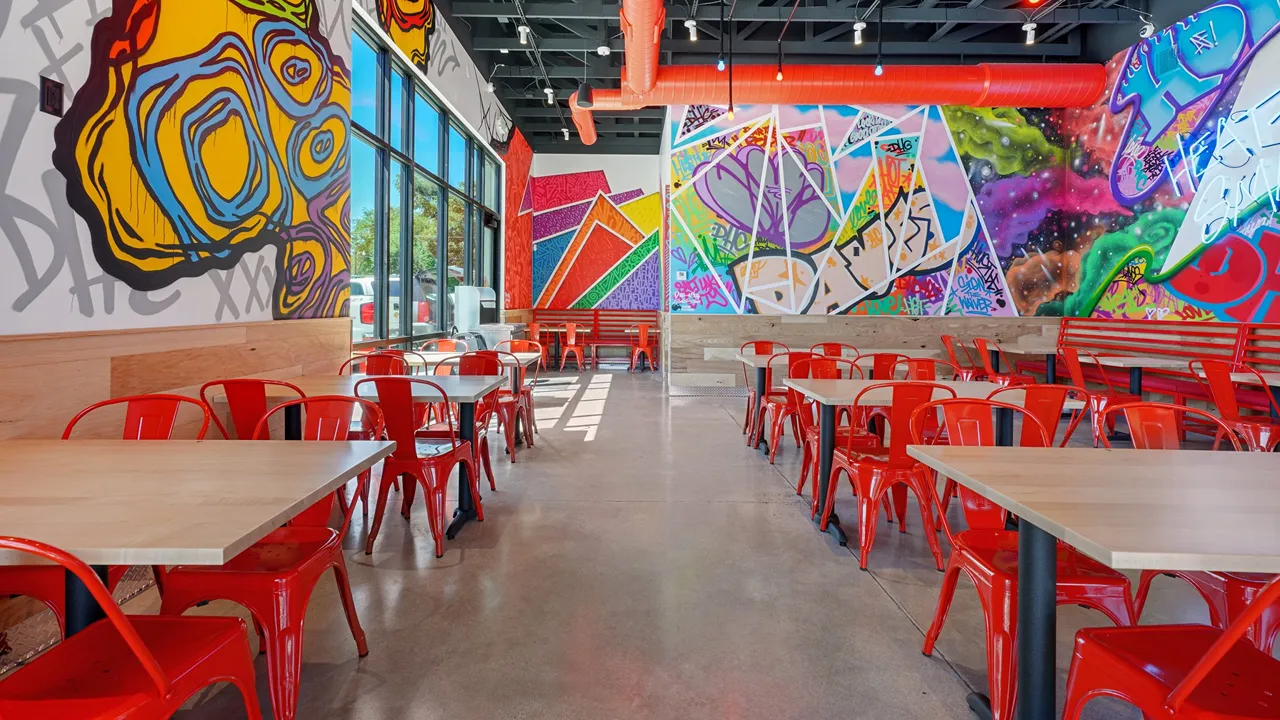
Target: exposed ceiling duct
{"x":983,"y":85}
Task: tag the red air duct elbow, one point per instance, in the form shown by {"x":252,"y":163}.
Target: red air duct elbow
{"x":642,"y":24}
{"x":1006,"y":85}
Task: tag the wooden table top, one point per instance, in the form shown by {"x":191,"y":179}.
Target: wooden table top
{"x":459,"y":388}
{"x":1134,"y":509}
{"x":1045,"y":347}
{"x":1269,"y":378}
{"x":123,"y":502}
{"x":1119,"y":361}
{"x":761,"y":360}
{"x":451,"y":358}
{"x":843,"y":392}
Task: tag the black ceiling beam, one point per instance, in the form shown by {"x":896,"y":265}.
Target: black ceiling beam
{"x":820,"y":13}
{"x":802,"y":47}
{"x":556,"y":144}
{"x":643,"y":130}
{"x":544,"y":111}
{"x":560,"y":71}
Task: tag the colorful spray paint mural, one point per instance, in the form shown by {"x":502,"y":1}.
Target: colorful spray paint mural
{"x":826,"y":210}
{"x":593,"y":246}
{"x":517,"y":232}
{"x":409,"y":24}
{"x":203,"y":135}
{"x":1158,"y":202}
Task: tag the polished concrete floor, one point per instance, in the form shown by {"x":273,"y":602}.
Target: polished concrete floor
{"x":641,"y":562}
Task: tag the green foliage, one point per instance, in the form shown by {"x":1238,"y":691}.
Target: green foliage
{"x":1002,"y":137}
{"x":1150,"y":237}
{"x":426,"y":196}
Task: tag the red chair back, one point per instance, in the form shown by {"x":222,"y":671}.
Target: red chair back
{"x":382,"y":362}
{"x":446,"y":366}
{"x":1046,"y":403}
{"x":519,"y":346}
{"x":950,"y":343}
{"x":834,"y":349}
{"x":882,"y":364}
{"x":570,"y":334}
{"x":906,"y":396}
{"x":969,"y":423}
{"x":508,"y":360}
{"x":642,"y":335}
{"x":147,"y":417}
{"x":925,"y":368}
{"x":790,"y":357}
{"x":246,"y":400}
{"x":445,"y":345}
{"x":1157,"y":426}
{"x":1071,"y":357}
{"x":326,"y":418}
{"x":1215,"y":377}
{"x":758,"y":347}
{"x":103,"y":597}
{"x":985,"y":347}
{"x":818,"y":367}
{"x":480,"y":362}
{"x":400,"y":414}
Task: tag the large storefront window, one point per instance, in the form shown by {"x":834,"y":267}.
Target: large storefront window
{"x":422,"y":187}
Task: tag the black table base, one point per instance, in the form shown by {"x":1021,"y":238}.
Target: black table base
{"x":762,"y":389}
{"x":466,"y":510}
{"x":826,"y":451}
{"x":81,"y":608}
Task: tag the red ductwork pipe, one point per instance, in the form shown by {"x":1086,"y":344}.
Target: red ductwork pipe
{"x":642,"y":25}
{"x":985,"y":85}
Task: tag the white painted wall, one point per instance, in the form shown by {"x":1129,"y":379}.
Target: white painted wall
{"x":623,"y":171}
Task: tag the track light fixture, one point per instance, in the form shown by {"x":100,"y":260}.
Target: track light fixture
{"x":551,"y":95}
{"x":524,"y":34}
{"x":504,"y":51}
{"x":1030,"y":29}
{"x":1148,"y":28}
{"x":693,"y":29}
{"x":566,"y":132}
{"x":603,"y":51}
{"x":858,"y":27}
{"x":586,"y":95}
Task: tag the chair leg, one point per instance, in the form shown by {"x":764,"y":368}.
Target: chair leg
{"x":899,"y":492}
{"x":1002,"y":667}
{"x":869,"y":496}
{"x":283,"y":630}
{"x":805,"y":461}
{"x":378,"y":509}
{"x":242,"y":677}
{"x":948,"y":592}
{"x":944,"y":501}
{"x":1086,"y":681}
{"x":482,"y":449}
{"x":348,"y":604}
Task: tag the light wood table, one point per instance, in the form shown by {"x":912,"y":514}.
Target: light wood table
{"x":1270,"y":379}
{"x":465,"y":390}
{"x":831,"y":394}
{"x":1135,"y":366}
{"x":1129,"y":509}
{"x":760,"y":363}
{"x":127,"y":502}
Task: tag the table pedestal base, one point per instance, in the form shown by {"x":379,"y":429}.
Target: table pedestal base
{"x":82,"y":609}
{"x":980,"y":705}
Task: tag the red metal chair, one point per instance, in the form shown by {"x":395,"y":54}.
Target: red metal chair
{"x":756,"y":347}
{"x":571,"y":346}
{"x":835,"y":349}
{"x":1098,"y":401}
{"x":1259,"y":432}
{"x":776,"y":408}
{"x":1002,"y":378}
{"x":526,"y":389}
{"x":448,"y":345}
{"x":274,"y":578}
{"x":1191,"y":672}
{"x":376,"y":363}
{"x":432,"y":471}
{"x":641,"y":346}
{"x":1155,"y":426}
{"x":820,"y":367}
{"x":969,"y":370}
{"x":882,"y":366}
{"x":246,"y":400}
{"x":535,"y":335}
{"x":143,"y":667}
{"x":988,"y":553}
{"x":872,"y":473}
{"x":926,"y":369}
{"x":511,"y":405}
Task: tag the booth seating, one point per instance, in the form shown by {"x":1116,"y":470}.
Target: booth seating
{"x":608,"y":328}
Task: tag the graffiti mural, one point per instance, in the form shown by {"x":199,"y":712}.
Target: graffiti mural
{"x":593,"y":247}
{"x":517,"y":248}
{"x":1160,"y":201}
{"x":409,"y":23}
{"x":203,"y":135}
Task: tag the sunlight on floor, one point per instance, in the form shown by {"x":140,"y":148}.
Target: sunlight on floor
{"x":590,"y":408}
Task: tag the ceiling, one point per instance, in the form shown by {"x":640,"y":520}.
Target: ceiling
{"x":566,"y":36}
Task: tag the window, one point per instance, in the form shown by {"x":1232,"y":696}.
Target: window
{"x":426,"y":254}
{"x":426,"y":134}
{"x":420,"y":183}
{"x":457,"y":158}
{"x":364,"y":225}
{"x":365,"y":71}
{"x":397,"y":111}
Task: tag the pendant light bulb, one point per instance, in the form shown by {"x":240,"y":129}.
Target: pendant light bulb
{"x":778,"y":76}
{"x":858,"y":27}
{"x":720,"y":63}
{"x":1030,"y":30}
{"x":879,"y":69}
{"x":489,"y":86}
{"x":730,"y":113}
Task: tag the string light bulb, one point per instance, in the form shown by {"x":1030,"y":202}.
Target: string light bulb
{"x":693,"y":29}
{"x":730,"y":113}
{"x":879,"y":69}
{"x":1030,"y":29}
{"x":720,"y":63}
{"x":858,"y":27}
{"x":778,"y":77}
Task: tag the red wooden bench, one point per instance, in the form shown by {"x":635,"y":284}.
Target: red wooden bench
{"x":608,"y":327}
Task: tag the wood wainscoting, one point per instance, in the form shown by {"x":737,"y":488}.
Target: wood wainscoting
{"x":700,"y":349}
{"x":46,"y":379}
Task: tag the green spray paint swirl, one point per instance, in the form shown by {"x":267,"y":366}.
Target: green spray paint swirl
{"x":1002,"y":137}
{"x":1150,"y":237}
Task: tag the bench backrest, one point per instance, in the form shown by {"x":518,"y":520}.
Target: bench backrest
{"x":1261,"y":347}
{"x":608,"y":327}
{"x":1153,"y":338}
